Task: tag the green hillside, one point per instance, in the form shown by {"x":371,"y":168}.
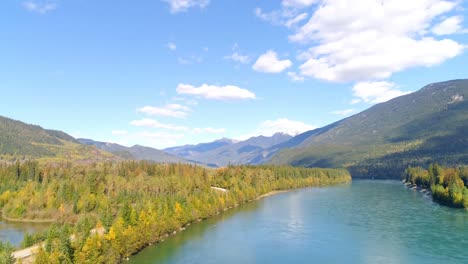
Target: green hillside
{"x":136,"y":152}
{"x":21,"y":140}
{"x":424,"y":127}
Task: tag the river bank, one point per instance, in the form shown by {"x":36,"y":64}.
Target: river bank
{"x":417,"y":188}
{"x":18,"y":220}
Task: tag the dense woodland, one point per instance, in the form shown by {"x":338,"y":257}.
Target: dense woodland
{"x":449,"y":186}
{"x":135,"y":203}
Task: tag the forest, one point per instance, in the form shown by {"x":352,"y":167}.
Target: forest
{"x":105,"y":212}
{"x":448,"y":185}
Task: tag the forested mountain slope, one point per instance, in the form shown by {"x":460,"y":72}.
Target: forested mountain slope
{"x":18,"y":139}
{"x":430,"y":125}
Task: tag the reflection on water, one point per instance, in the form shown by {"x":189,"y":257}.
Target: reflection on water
{"x":13,"y":232}
{"x":359,"y":222}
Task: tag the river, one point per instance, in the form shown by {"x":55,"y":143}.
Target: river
{"x":360,"y":222}
{"x":13,"y":232}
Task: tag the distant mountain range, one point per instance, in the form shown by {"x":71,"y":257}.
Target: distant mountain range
{"x":430,"y":125}
{"x":227,"y":151}
{"x":427,"y":126}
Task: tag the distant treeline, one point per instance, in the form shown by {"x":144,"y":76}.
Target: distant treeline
{"x":448,"y":185}
{"x":137,"y":203}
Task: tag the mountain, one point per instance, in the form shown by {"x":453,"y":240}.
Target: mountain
{"x":136,"y":152}
{"x":32,"y":141}
{"x":226,"y":151}
{"x":188,"y":151}
{"x":430,"y":125}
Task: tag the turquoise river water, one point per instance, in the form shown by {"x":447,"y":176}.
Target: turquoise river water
{"x":360,"y":222}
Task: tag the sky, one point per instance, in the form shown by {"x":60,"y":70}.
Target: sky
{"x":162,"y":73}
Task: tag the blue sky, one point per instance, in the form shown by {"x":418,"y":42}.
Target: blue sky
{"x":173,"y":72}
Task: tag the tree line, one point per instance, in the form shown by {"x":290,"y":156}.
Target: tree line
{"x":137,"y":203}
{"x":449,"y":186}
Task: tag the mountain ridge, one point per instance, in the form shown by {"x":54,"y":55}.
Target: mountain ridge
{"x":385,"y":131}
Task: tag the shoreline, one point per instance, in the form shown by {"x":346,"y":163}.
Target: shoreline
{"x":417,"y":188}
{"x":36,"y":221}
{"x":278,"y":192}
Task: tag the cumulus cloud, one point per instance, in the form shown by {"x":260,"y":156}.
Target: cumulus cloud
{"x":151,"y":123}
{"x":215,"y":92}
{"x":171,"y":110}
{"x":269,"y":63}
{"x":376,"y":92}
{"x":177,"y":6}
{"x":343,"y":112}
{"x":369,"y":39}
{"x":41,"y":7}
{"x":449,"y":26}
{"x":172,"y":46}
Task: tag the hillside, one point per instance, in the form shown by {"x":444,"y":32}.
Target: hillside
{"x":136,"y":152}
{"x":430,"y":125}
{"x":225,"y":151}
{"x":18,"y":139}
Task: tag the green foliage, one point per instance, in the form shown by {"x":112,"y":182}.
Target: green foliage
{"x":137,"y":203}
{"x":447,"y":184}
{"x":5,"y":253}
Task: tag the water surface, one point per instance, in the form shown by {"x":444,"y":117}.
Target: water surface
{"x":359,"y":222}
{"x":13,"y":232}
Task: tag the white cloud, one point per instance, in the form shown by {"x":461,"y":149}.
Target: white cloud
{"x":209,"y":130}
{"x":238,"y":58}
{"x":376,"y":92}
{"x":171,"y":46}
{"x":183,"y":5}
{"x":298,"y":3}
{"x":119,"y":132}
{"x":269,"y":63}
{"x":286,"y":17}
{"x":147,"y":122}
{"x":295,"y":77}
{"x":171,"y":110}
{"x":41,"y":7}
{"x":371,"y":39}
{"x":343,"y":112}
{"x":295,"y":20}
{"x":227,"y":92}
{"x":190,"y":60}
{"x":449,"y":26}
{"x":281,"y":125}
